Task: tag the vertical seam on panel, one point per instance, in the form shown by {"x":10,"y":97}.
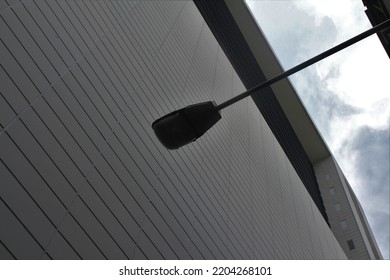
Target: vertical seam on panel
{"x":4,"y":10}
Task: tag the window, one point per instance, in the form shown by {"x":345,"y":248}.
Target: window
{"x":343,"y":224}
{"x":332,"y":190}
{"x":337,"y":206}
{"x":351,"y":245}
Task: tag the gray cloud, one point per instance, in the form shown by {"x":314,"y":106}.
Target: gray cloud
{"x":370,"y":150}
{"x":324,"y":106}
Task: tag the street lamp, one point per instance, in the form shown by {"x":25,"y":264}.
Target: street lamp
{"x":184,"y":126}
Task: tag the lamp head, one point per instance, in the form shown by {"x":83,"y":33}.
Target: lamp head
{"x":185,"y":125}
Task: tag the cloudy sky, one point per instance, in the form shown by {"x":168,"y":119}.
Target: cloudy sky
{"x":347,"y":95}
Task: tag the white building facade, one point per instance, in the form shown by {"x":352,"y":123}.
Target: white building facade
{"x":82,"y":175}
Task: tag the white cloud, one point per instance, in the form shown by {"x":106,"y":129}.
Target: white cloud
{"x":363,"y":69}
{"x":362,"y":82}
{"x":339,"y":11}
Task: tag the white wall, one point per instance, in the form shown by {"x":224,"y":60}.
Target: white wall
{"x":82,"y":174}
{"x":355,"y":227}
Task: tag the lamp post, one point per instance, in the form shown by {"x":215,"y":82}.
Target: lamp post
{"x":184,"y":126}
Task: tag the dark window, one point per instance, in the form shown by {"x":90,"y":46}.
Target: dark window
{"x":351,"y":245}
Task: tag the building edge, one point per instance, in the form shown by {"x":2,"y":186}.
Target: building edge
{"x":310,"y":146}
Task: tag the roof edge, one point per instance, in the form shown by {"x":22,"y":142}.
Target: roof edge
{"x":302,"y":124}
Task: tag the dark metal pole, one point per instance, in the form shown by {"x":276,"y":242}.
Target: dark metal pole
{"x":305,"y":64}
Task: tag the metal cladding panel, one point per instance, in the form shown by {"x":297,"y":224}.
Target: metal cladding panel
{"x":82,"y":173}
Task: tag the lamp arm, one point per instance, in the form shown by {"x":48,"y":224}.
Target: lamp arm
{"x":305,"y":64}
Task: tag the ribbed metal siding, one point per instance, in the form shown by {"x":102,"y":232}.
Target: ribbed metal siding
{"x":226,"y":31}
{"x":82,"y":174}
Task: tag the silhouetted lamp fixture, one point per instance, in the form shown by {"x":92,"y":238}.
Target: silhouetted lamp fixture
{"x":188,"y":124}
